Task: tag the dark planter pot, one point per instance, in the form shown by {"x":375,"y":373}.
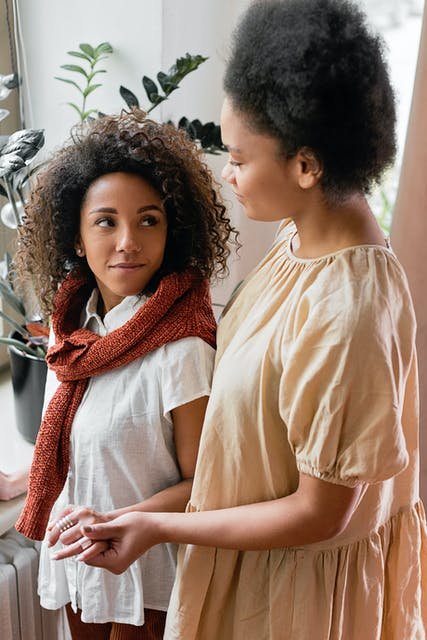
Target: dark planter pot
{"x":28,"y":381}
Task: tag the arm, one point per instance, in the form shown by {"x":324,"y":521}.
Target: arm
{"x":187,"y":424}
{"x":13,"y":484}
{"x":316,"y":511}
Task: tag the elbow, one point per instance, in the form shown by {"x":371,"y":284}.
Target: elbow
{"x":333,"y":529}
{"x":324,"y":527}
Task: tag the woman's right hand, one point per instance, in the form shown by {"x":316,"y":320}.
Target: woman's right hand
{"x":116,"y":544}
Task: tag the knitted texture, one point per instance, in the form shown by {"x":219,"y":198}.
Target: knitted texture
{"x":179,"y":308}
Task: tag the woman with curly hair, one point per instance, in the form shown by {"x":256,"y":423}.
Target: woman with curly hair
{"x":121,"y":235}
{"x":304,"y":520}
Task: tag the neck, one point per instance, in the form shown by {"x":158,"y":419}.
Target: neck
{"x":325,"y":228}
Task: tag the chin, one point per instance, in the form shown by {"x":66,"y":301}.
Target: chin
{"x":257,"y":217}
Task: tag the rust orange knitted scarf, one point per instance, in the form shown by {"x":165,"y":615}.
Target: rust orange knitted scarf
{"x":179,"y":308}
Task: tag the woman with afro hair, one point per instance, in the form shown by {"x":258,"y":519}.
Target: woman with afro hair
{"x":304,"y":521}
{"x":122,"y":233}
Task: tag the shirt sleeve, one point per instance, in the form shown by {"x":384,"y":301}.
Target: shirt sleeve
{"x":186,"y":372}
{"x":344,"y":375}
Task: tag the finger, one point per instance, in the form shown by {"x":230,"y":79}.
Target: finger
{"x":62,"y":524}
{"x":93,"y":550}
{"x":102,"y":531}
{"x":107,"y":560}
{"x":68,"y":552}
{"x":71,"y":535}
{"x":52,"y":522}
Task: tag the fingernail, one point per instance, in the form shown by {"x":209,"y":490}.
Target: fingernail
{"x":80,"y":558}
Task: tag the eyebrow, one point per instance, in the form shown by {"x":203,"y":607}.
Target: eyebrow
{"x":233,"y":149}
{"x":147,"y":207}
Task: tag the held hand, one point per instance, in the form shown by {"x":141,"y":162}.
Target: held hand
{"x":13,"y":484}
{"x":67,"y":528}
{"x":124,"y":539}
{"x":5,"y":486}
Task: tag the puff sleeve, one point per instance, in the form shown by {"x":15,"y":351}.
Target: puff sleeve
{"x":345,"y":370}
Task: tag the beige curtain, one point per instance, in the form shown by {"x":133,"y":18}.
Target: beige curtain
{"x":409,"y":228}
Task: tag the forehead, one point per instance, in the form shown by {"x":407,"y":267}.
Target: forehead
{"x":240,"y":138}
{"x":121,"y":183}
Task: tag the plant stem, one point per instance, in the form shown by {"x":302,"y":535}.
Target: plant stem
{"x":21,"y":197}
{"x":12,"y":200}
{"x":22,"y":347}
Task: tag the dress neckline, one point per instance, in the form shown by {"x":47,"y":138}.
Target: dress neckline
{"x":386,"y":248}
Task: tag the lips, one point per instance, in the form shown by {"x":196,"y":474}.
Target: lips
{"x":129,"y":266}
{"x":240,"y":198}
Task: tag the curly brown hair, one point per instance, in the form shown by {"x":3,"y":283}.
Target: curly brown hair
{"x":198,"y":228}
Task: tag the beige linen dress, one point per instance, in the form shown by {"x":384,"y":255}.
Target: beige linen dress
{"x":315,"y":372}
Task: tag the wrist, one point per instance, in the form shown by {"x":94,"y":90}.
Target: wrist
{"x":115,"y":513}
{"x":164,"y":526}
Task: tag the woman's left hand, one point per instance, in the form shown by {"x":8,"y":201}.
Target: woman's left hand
{"x":67,"y":527}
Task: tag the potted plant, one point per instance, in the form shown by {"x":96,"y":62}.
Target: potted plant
{"x":27,"y":340}
{"x":208,"y":135}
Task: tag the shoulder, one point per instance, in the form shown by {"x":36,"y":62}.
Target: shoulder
{"x":362,"y":289}
{"x":361,"y":272}
{"x":191,"y":348}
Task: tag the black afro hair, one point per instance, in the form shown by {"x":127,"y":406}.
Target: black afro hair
{"x":311,"y":73}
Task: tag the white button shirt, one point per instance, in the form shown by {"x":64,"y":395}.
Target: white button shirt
{"x":122,"y":452}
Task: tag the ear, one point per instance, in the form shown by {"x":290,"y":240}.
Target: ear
{"x":309,"y":168}
{"x":79,"y":247}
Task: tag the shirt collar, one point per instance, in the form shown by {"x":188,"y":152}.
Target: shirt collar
{"x":112,"y":320}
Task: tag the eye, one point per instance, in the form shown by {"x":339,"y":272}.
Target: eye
{"x":104,"y":222}
{"x":149,"y":221}
{"x":234,"y":163}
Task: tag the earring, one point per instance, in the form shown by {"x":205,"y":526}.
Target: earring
{"x":79,"y":251}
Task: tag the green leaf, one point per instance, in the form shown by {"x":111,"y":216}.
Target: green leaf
{"x":12,"y":323}
{"x":87,"y":49}
{"x":11,"y":298}
{"x":90,"y":88}
{"x":69,"y":82}
{"x":156,"y":100}
{"x":129,"y":97}
{"x":104,"y":47}
{"x":85,"y":114}
{"x":166,"y":82}
{"x":188,"y":126}
{"x":77,"y":54}
{"x":77,"y":109}
{"x":93,"y":74}
{"x":75,"y":68}
{"x":151,"y":90}
{"x":185,"y":65}
{"x":100,"y":58}
{"x":21,"y":346}
{"x":8,"y":260}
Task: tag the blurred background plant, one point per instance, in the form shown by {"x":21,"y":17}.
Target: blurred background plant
{"x":91,"y":57}
{"x":207,"y":135}
{"x":16,"y":153}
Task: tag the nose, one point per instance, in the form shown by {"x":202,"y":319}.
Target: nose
{"x":228,"y":173}
{"x":127,"y":241}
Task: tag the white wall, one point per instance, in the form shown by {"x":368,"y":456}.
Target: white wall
{"x":147,"y":36}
